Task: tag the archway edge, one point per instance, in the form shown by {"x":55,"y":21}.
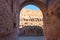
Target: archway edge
{"x":38,"y":3}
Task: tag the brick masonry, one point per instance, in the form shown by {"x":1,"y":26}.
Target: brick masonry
{"x":9,"y":18}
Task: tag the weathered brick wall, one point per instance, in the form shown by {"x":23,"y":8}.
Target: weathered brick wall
{"x":9,"y":19}
{"x":8,"y":28}
{"x":6,"y":17}
{"x":52,"y":22}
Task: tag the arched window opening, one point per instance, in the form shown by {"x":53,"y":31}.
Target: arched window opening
{"x":31,"y":18}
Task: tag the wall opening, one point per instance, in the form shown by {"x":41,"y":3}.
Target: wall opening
{"x":31,"y":22}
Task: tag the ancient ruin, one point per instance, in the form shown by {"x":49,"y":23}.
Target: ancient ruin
{"x":9,"y":18}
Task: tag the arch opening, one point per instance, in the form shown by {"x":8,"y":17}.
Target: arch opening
{"x":35,"y":17}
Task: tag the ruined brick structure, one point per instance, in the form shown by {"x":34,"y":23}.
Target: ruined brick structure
{"x":31,"y":31}
{"x":9,"y":18}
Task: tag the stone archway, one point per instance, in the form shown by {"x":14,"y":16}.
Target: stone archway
{"x":9,"y":16}
{"x":38,"y":3}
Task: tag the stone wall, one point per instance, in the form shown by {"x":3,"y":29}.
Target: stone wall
{"x":9,"y":18}
{"x":8,"y":29}
{"x":31,"y":31}
{"x":52,"y":22}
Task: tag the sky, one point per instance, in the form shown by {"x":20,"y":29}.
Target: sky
{"x":33,"y":7}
